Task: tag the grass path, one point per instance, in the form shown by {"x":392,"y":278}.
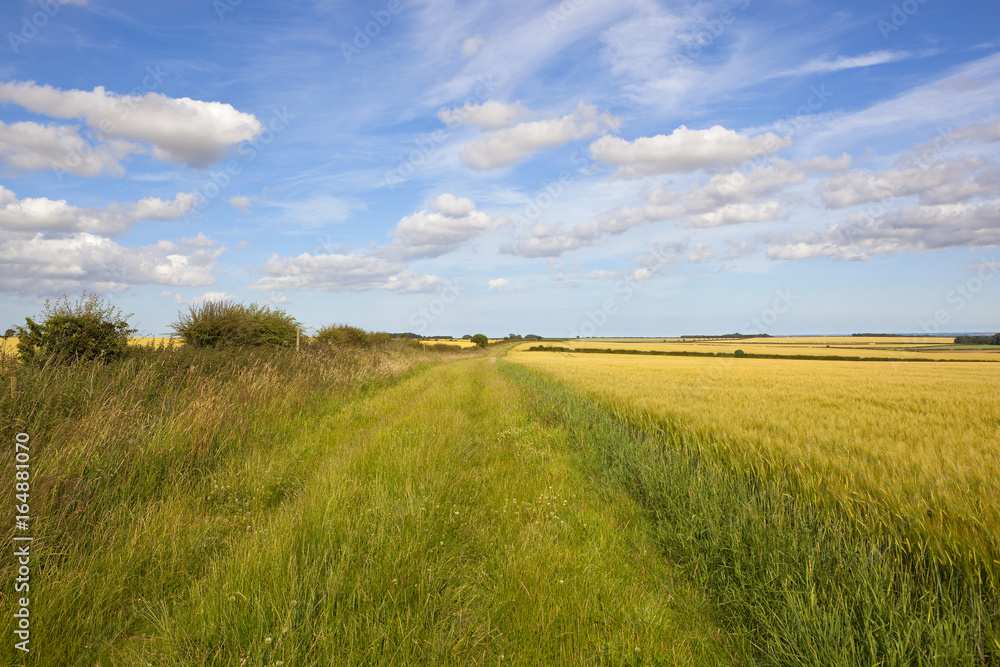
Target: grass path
{"x":443,"y":524}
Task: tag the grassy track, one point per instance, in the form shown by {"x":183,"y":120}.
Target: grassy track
{"x":435,"y":521}
{"x":442,"y":527}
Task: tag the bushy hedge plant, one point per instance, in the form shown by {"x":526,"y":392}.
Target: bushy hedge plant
{"x":348,"y":336}
{"x":229,"y":324}
{"x":90,"y":328}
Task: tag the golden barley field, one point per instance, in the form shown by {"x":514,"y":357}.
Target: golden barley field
{"x":916,"y":443}
{"x":860,"y":346}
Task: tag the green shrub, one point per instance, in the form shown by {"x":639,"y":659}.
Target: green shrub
{"x":481,"y":340}
{"x":231,"y":325}
{"x":348,"y":336}
{"x":739,"y":353}
{"x":89,"y":329}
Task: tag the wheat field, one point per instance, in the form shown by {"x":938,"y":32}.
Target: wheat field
{"x":915,"y":443}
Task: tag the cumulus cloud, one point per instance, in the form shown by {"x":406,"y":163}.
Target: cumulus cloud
{"x":204,"y":297}
{"x":940,"y":183}
{"x":91,"y":262}
{"x":27,"y":147}
{"x":985,"y":133}
{"x":513,"y":144}
{"x":490,"y":115}
{"x":545,"y":240}
{"x":338,"y":272}
{"x":182,"y":130}
{"x":446,"y":224}
{"x":39,"y":214}
{"x":825,"y":163}
{"x":734,"y":214}
{"x":471,"y":46}
{"x":498,"y":283}
{"x":730,"y":188}
{"x":918,"y":228}
{"x":241,"y":203}
{"x":683,"y":150}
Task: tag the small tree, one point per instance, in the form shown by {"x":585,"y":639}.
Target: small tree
{"x":89,"y":329}
{"x":739,"y":353}
{"x":480,"y":339}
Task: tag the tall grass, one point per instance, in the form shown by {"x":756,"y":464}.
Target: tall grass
{"x":805,"y":585}
{"x":126,"y":458}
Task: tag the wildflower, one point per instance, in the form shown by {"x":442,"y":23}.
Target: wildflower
{"x":267,"y":640}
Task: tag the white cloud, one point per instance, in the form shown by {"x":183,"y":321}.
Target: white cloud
{"x":683,"y":150}
{"x":734,"y":214}
{"x":701,"y":253}
{"x":448,"y":222}
{"x":338,"y":272}
{"x":513,"y":144}
{"x":987,"y":132}
{"x":490,"y":115}
{"x":37,"y":214}
{"x":498,"y":283}
{"x":241,"y":203}
{"x":471,"y":46}
{"x":179,"y":129}
{"x":918,"y":228}
{"x":51,"y":266}
{"x":824,"y":65}
{"x":545,"y":240}
{"x":201,"y":298}
{"x":27,"y":147}
{"x":939,"y":183}
{"x":824,"y":163}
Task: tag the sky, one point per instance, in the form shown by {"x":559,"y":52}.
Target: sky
{"x":575,"y":168}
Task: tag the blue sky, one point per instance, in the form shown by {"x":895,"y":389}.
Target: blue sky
{"x":576,"y":168}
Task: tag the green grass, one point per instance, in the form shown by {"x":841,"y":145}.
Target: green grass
{"x":354,"y":515}
{"x":798,"y":585}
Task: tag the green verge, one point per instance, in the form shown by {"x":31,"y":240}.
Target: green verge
{"x":443,"y":525}
{"x":795,"y":585}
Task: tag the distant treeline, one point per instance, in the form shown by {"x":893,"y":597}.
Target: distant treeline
{"x":978,"y":340}
{"x":737,"y":336}
{"x":739,"y":354}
